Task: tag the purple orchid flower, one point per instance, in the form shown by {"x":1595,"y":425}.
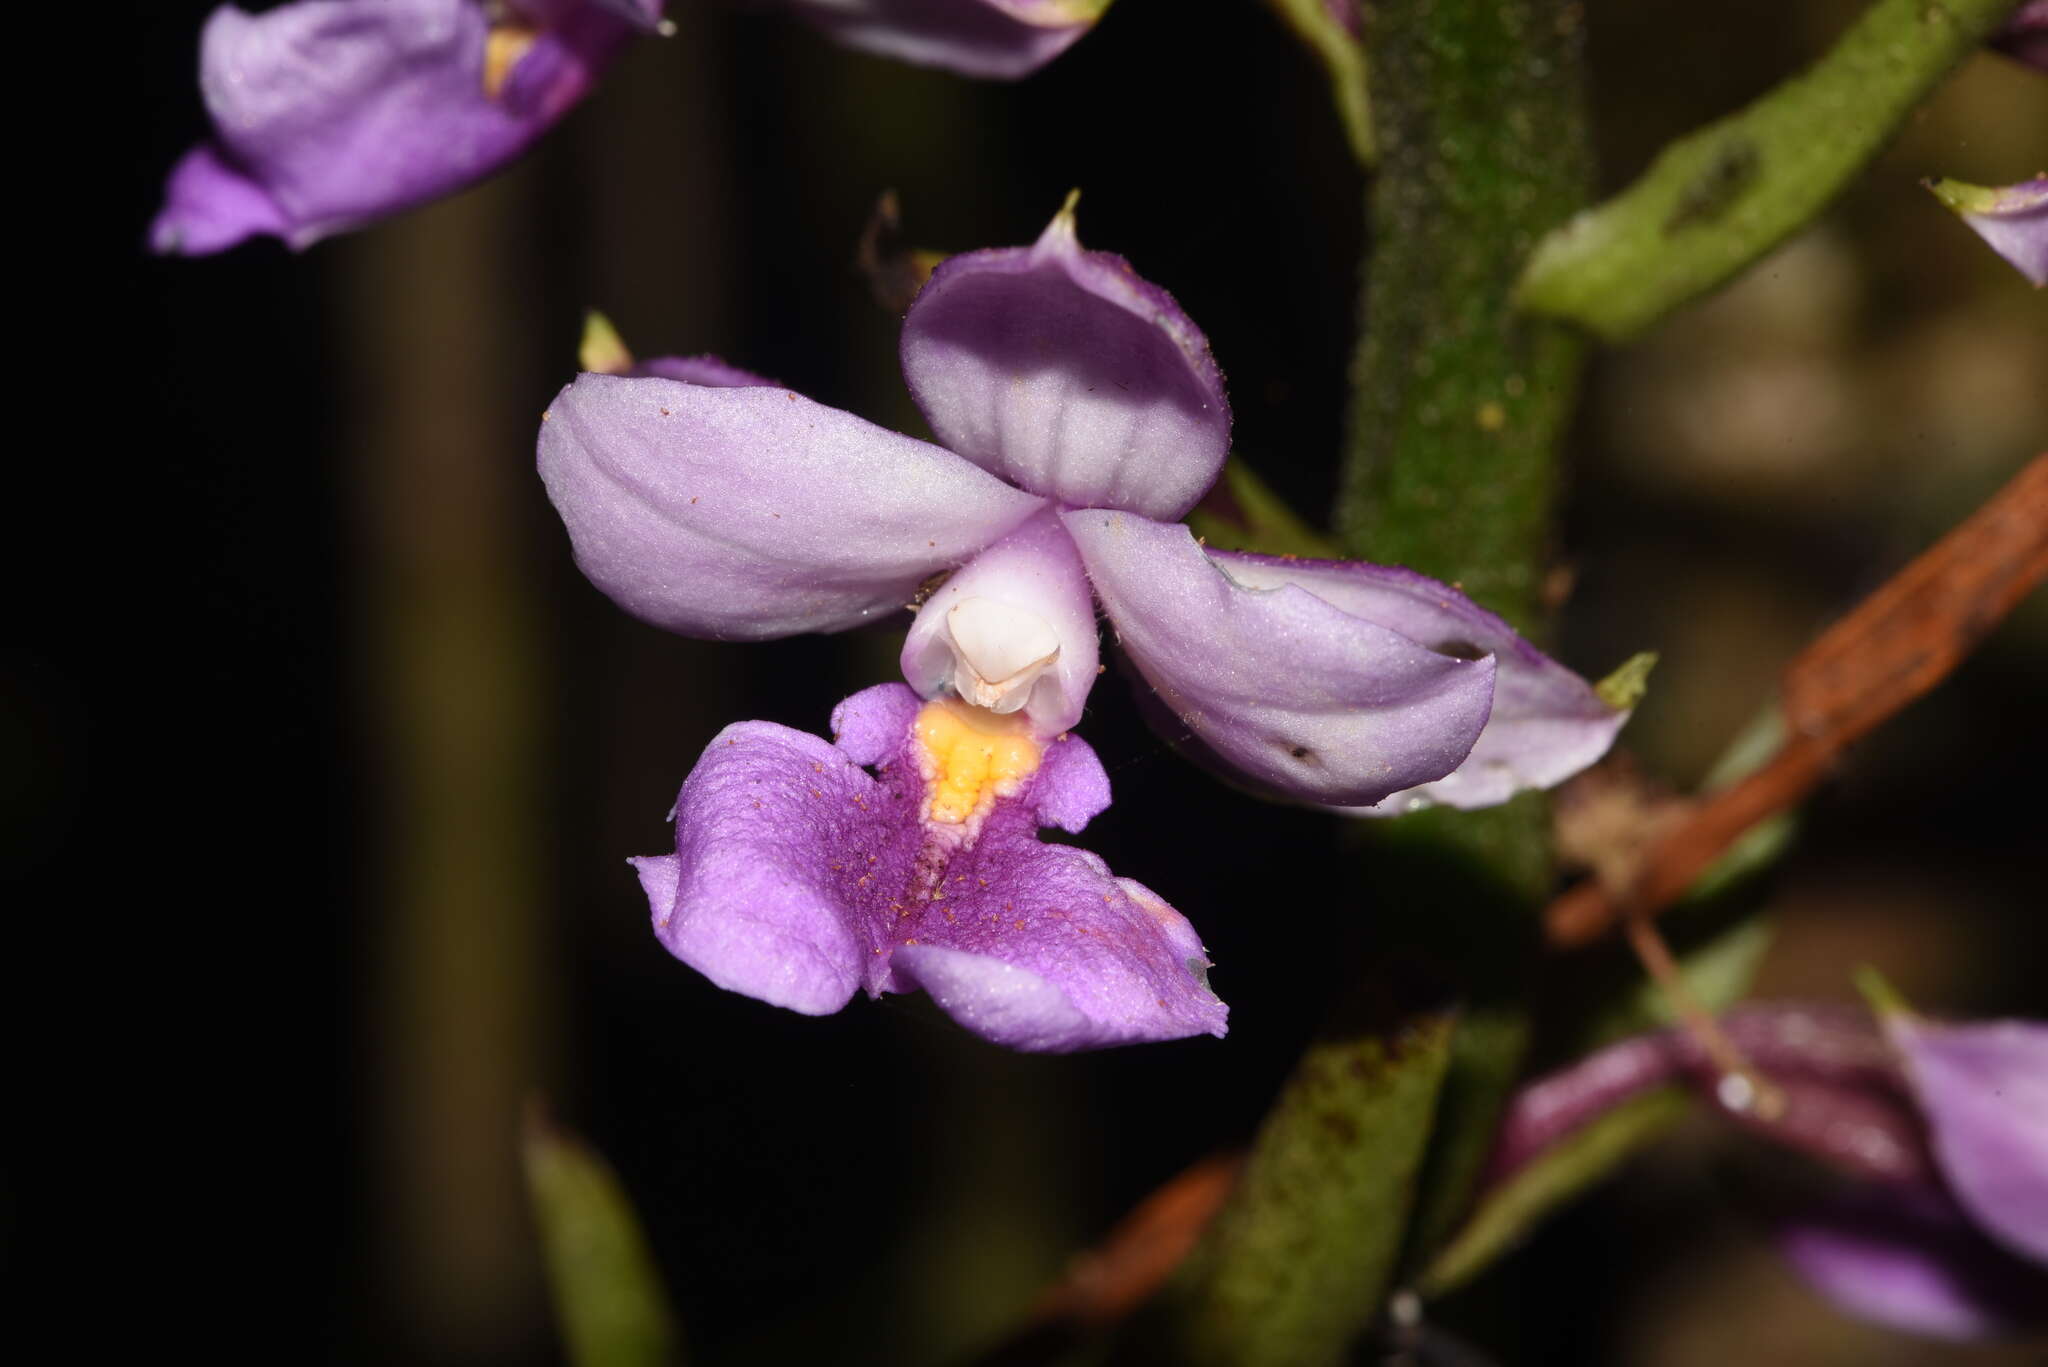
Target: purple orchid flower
{"x":2025,"y":35}
{"x":1984,"y":1090}
{"x":995,"y":39}
{"x":1915,"y":1255}
{"x":1079,"y":410}
{"x":2013,"y":219}
{"x":328,"y":114}
{"x":799,"y":879}
{"x":1940,"y":1132}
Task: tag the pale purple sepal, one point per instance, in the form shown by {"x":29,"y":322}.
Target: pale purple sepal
{"x":1035,"y":570}
{"x":750,"y":513}
{"x":1547,"y":723}
{"x":1904,"y":1256}
{"x":1984,"y":1091}
{"x":2013,"y":219}
{"x":798,"y":878}
{"x":2025,"y":35}
{"x":1065,"y":373}
{"x":994,"y":39}
{"x":704,"y":370}
{"x":1298,"y":696}
{"x":330,"y":113}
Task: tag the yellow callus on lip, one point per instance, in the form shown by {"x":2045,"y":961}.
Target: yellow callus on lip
{"x":503,"y":48}
{"x":970,"y":756}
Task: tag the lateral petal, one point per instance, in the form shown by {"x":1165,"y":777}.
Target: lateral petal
{"x":749,"y":513}
{"x":1547,"y":722}
{"x":1296,"y":695}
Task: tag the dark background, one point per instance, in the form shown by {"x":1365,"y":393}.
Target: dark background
{"x":326,"y":759}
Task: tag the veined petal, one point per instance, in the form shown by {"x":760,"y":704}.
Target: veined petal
{"x":1984,"y":1091}
{"x":1299,"y":696}
{"x":1065,"y":373}
{"x":1013,"y":630}
{"x":798,"y":877}
{"x":1902,"y":1255}
{"x":341,"y":111}
{"x":748,"y":513}
{"x":2013,"y":219}
{"x":1547,"y":723}
{"x":996,"y":39}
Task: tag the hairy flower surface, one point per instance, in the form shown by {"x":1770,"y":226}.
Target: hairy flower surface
{"x":328,"y":114}
{"x":801,"y":877}
{"x":2012,"y":218}
{"x":1078,"y":412}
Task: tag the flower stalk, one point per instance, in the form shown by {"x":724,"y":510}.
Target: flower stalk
{"x":1449,"y":468}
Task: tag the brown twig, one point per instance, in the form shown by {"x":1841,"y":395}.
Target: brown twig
{"x":1105,"y":1284}
{"x":1896,"y":645}
{"x":1109,"y":1281}
{"x":1742,"y":1087}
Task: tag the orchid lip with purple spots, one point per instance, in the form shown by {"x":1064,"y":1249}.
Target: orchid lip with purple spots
{"x":329,"y":114}
{"x":1078,"y":411}
{"x":805,"y":871}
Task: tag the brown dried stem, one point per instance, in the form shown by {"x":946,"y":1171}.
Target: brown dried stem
{"x":1895,"y":646}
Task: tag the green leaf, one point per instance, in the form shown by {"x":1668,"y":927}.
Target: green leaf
{"x":1715,"y":201}
{"x":1580,"y":1160}
{"x":1244,"y":514}
{"x":1343,"y":58}
{"x":602,"y":350}
{"x":1488,"y":1049}
{"x":1624,"y":688}
{"x":1296,"y":1264}
{"x":1718,"y":972}
{"x":608,"y":1296}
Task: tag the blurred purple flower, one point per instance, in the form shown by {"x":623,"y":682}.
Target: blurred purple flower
{"x":999,"y":39}
{"x":1904,"y":1255}
{"x":799,"y":879}
{"x":328,"y":114}
{"x":2013,"y":219}
{"x":1984,"y":1091}
{"x":1079,"y":409}
{"x":2025,"y":36}
{"x":1941,"y":1133}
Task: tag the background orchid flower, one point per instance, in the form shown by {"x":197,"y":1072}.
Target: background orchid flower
{"x":328,"y":114}
{"x":2025,"y":36}
{"x":1078,"y":410}
{"x":1916,"y":1256}
{"x":1000,"y":39}
{"x":1938,"y":1134}
{"x":1984,"y":1090}
{"x":2013,"y":219}
{"x":799,"y":879}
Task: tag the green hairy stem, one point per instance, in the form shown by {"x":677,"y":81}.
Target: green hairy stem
{"x":1450,"y":468}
